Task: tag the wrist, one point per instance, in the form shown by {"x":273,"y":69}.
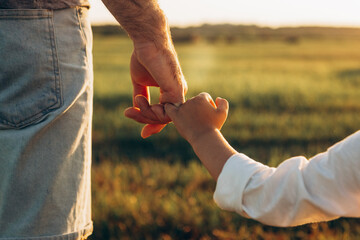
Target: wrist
{"x":156,"y":32}
{"x":160,"y":45}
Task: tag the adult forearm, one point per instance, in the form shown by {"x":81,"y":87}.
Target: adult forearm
{"x":143,"y":20}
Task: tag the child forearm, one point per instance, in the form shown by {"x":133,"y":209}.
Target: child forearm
{"x":213,"y":150}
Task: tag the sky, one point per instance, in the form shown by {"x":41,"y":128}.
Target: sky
{"x":274,"y":13}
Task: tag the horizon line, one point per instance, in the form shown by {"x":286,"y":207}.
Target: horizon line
{"x":273,"y":26}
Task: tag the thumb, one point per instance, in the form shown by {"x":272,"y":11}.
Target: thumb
{"x":171,"y":110}
{"x":222,"y":105}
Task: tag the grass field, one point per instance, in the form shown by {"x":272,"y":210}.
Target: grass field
{"x":285,"y":100}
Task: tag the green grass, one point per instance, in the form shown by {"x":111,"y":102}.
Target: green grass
{"x":156,"y":200}
{"x":285,"y":100}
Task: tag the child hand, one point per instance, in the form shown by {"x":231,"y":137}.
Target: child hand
{"x":198,"y":116}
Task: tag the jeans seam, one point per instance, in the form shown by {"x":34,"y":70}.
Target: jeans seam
{"x":83,"y":36}
{"x":58,"y":87}
{"x":25,"y":13}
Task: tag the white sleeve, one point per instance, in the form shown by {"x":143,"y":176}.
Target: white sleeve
{"x":298,"y":191}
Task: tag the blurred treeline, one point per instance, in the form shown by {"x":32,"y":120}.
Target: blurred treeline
{"x":232,"y":33}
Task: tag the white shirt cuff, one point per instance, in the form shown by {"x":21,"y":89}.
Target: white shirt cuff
{"x":232,"y":181}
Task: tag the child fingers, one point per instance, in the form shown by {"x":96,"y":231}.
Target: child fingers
{"x":222,"y":105}
{"x":171,"y":110}
{"x":207,"y":97}
{"x":135,"y":114}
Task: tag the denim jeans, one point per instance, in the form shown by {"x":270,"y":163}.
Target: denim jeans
{"x":46,"y":91}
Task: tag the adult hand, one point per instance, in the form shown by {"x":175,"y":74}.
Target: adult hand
{"x":153,"y":63}
{"x":154,"y":66}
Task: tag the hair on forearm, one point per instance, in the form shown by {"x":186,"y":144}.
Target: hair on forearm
{"x":142,"y":19}
{"x":146,"y":23}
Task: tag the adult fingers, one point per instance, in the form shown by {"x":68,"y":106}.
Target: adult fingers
{"x":139,"y":90}
{"x":159,"y":111}
{"x":171,"y":110}
{"x":140,"y":74}
{"x":151,"y":129}
{"x":174,"y":93}
{"x":141,"y":79}
{"x":166,"y":71}
{"x":145,"y":108}
{"x":161,"y":70}
{"x":145,"y":113}
{"x":135,"y":114}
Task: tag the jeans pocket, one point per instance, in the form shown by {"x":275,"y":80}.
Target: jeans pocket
{"x":29,"y":73}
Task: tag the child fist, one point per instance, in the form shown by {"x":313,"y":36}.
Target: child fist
{"x":198,"y":116}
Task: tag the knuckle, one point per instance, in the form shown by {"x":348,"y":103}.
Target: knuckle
{"x":203,"y":94}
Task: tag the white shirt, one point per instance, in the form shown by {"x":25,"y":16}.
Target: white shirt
{"x":298,"y":191}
